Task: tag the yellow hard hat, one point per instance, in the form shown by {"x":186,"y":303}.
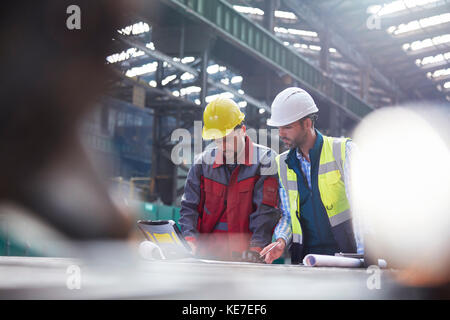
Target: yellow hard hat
{"x":220,"y":117}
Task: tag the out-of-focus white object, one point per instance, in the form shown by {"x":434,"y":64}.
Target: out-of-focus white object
{"x":150,"y":251}
{"x":291,"y":105}
{"x":318,"y":260}
{"x":400,"y":185}
{"x":382,"y":263}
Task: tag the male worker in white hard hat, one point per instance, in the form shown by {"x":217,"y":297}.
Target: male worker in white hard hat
{"x":230,"y":203}
{"x":313,"y":177}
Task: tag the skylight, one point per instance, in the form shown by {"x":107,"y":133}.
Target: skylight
{"x":146,"y":68}
{"x":285,"y":15}
{"x":430,"y":42}
{"x":242,"y":104}
{"x":215,"y":68}
{"x":189,"y":90}
{"x":124,"y":55}
{"x":440,"y":73}
{"x":295,"y":32}
{"x":135,"y":29}
{"x":418,"y":24}
{"x":249,"y":10}
{"x":187,"y":60}
{"x":397,"y":6}
{"x":236,"y":79}
{"x":187,"y":76}
{"x":259,"y":12}
{"x":433,"y":59}
{"x":168,"y":79}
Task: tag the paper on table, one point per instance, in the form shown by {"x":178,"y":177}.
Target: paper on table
{"x":318,"y":260}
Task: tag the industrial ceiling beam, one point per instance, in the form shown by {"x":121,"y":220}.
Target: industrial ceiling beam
{"x":413,"y":71}
{"x":350,"y":5}
{"x":298,"y":38}
{"x":414,"y":81}
{"x":430,"y":51}
{"x":304,"y":11}
{"x":388,"y":54}
{"x":181,"y":66}
{"x":132,"y":81}
{"x":416,"y":13}
{"x":316,"y":54}
{"x":380,"y":41}
{"x":441,"y":79}
{"x":394,"y":67}
{"x":228,"y":25}
{"x":292,"y":24}
{"x":436,"y":66}
{"x":400,"y":62}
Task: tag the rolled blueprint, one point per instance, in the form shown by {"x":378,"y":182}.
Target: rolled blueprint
{"x":318,"y":260}
{"x":150,"y":251}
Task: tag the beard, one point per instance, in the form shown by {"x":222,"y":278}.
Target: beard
{"x":287,"y":143}
{"x":297,"y":143}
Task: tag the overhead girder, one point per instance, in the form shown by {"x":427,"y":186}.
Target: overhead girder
{"x":413,"y":71}
{"x":316,"y":54}
{"x":430,"y":51}
{"x":441,"y":79}
{"x":299,"y":38}
{"x":162,"y":57}
{"x":416,"y":13}
{"x":396,"y":57}
{"x":408,"y":59}
{"x":413,"y":80}
{"x":381,"y":41}
{"x":305,"y":12}
{"x":436,"y":66}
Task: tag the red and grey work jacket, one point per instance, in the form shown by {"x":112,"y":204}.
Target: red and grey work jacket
{"x":226,"y":212}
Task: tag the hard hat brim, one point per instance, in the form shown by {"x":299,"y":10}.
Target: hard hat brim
{"x":212,"y":134}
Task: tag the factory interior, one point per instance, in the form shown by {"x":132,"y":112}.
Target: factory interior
{"x":103,"y":106}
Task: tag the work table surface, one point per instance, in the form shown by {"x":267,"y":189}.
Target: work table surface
{"x":50,"y":278}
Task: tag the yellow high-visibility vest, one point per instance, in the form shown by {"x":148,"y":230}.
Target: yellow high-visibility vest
{"x":331,"y":185}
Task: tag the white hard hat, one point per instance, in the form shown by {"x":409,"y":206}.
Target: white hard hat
{"x":291,"y":105}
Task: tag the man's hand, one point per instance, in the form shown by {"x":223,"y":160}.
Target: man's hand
{"x":275,"y":253}
{"x":252,"y":256}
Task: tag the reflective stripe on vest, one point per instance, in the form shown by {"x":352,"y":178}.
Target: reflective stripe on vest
{"x":330,"y":180}
{"x":288,"y":180}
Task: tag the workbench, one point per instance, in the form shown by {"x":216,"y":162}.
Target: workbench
{"x":47,"y":278}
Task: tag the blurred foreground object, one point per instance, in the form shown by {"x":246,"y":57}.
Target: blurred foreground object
{"x":400,"y":189}
{"x":52,"y":76}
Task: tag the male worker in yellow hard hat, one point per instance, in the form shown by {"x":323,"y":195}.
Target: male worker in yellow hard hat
{"x":314,"y":178}
{"x":229,"y":207}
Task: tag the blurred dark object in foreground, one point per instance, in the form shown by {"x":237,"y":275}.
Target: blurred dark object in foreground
{"x":50,"y":78}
